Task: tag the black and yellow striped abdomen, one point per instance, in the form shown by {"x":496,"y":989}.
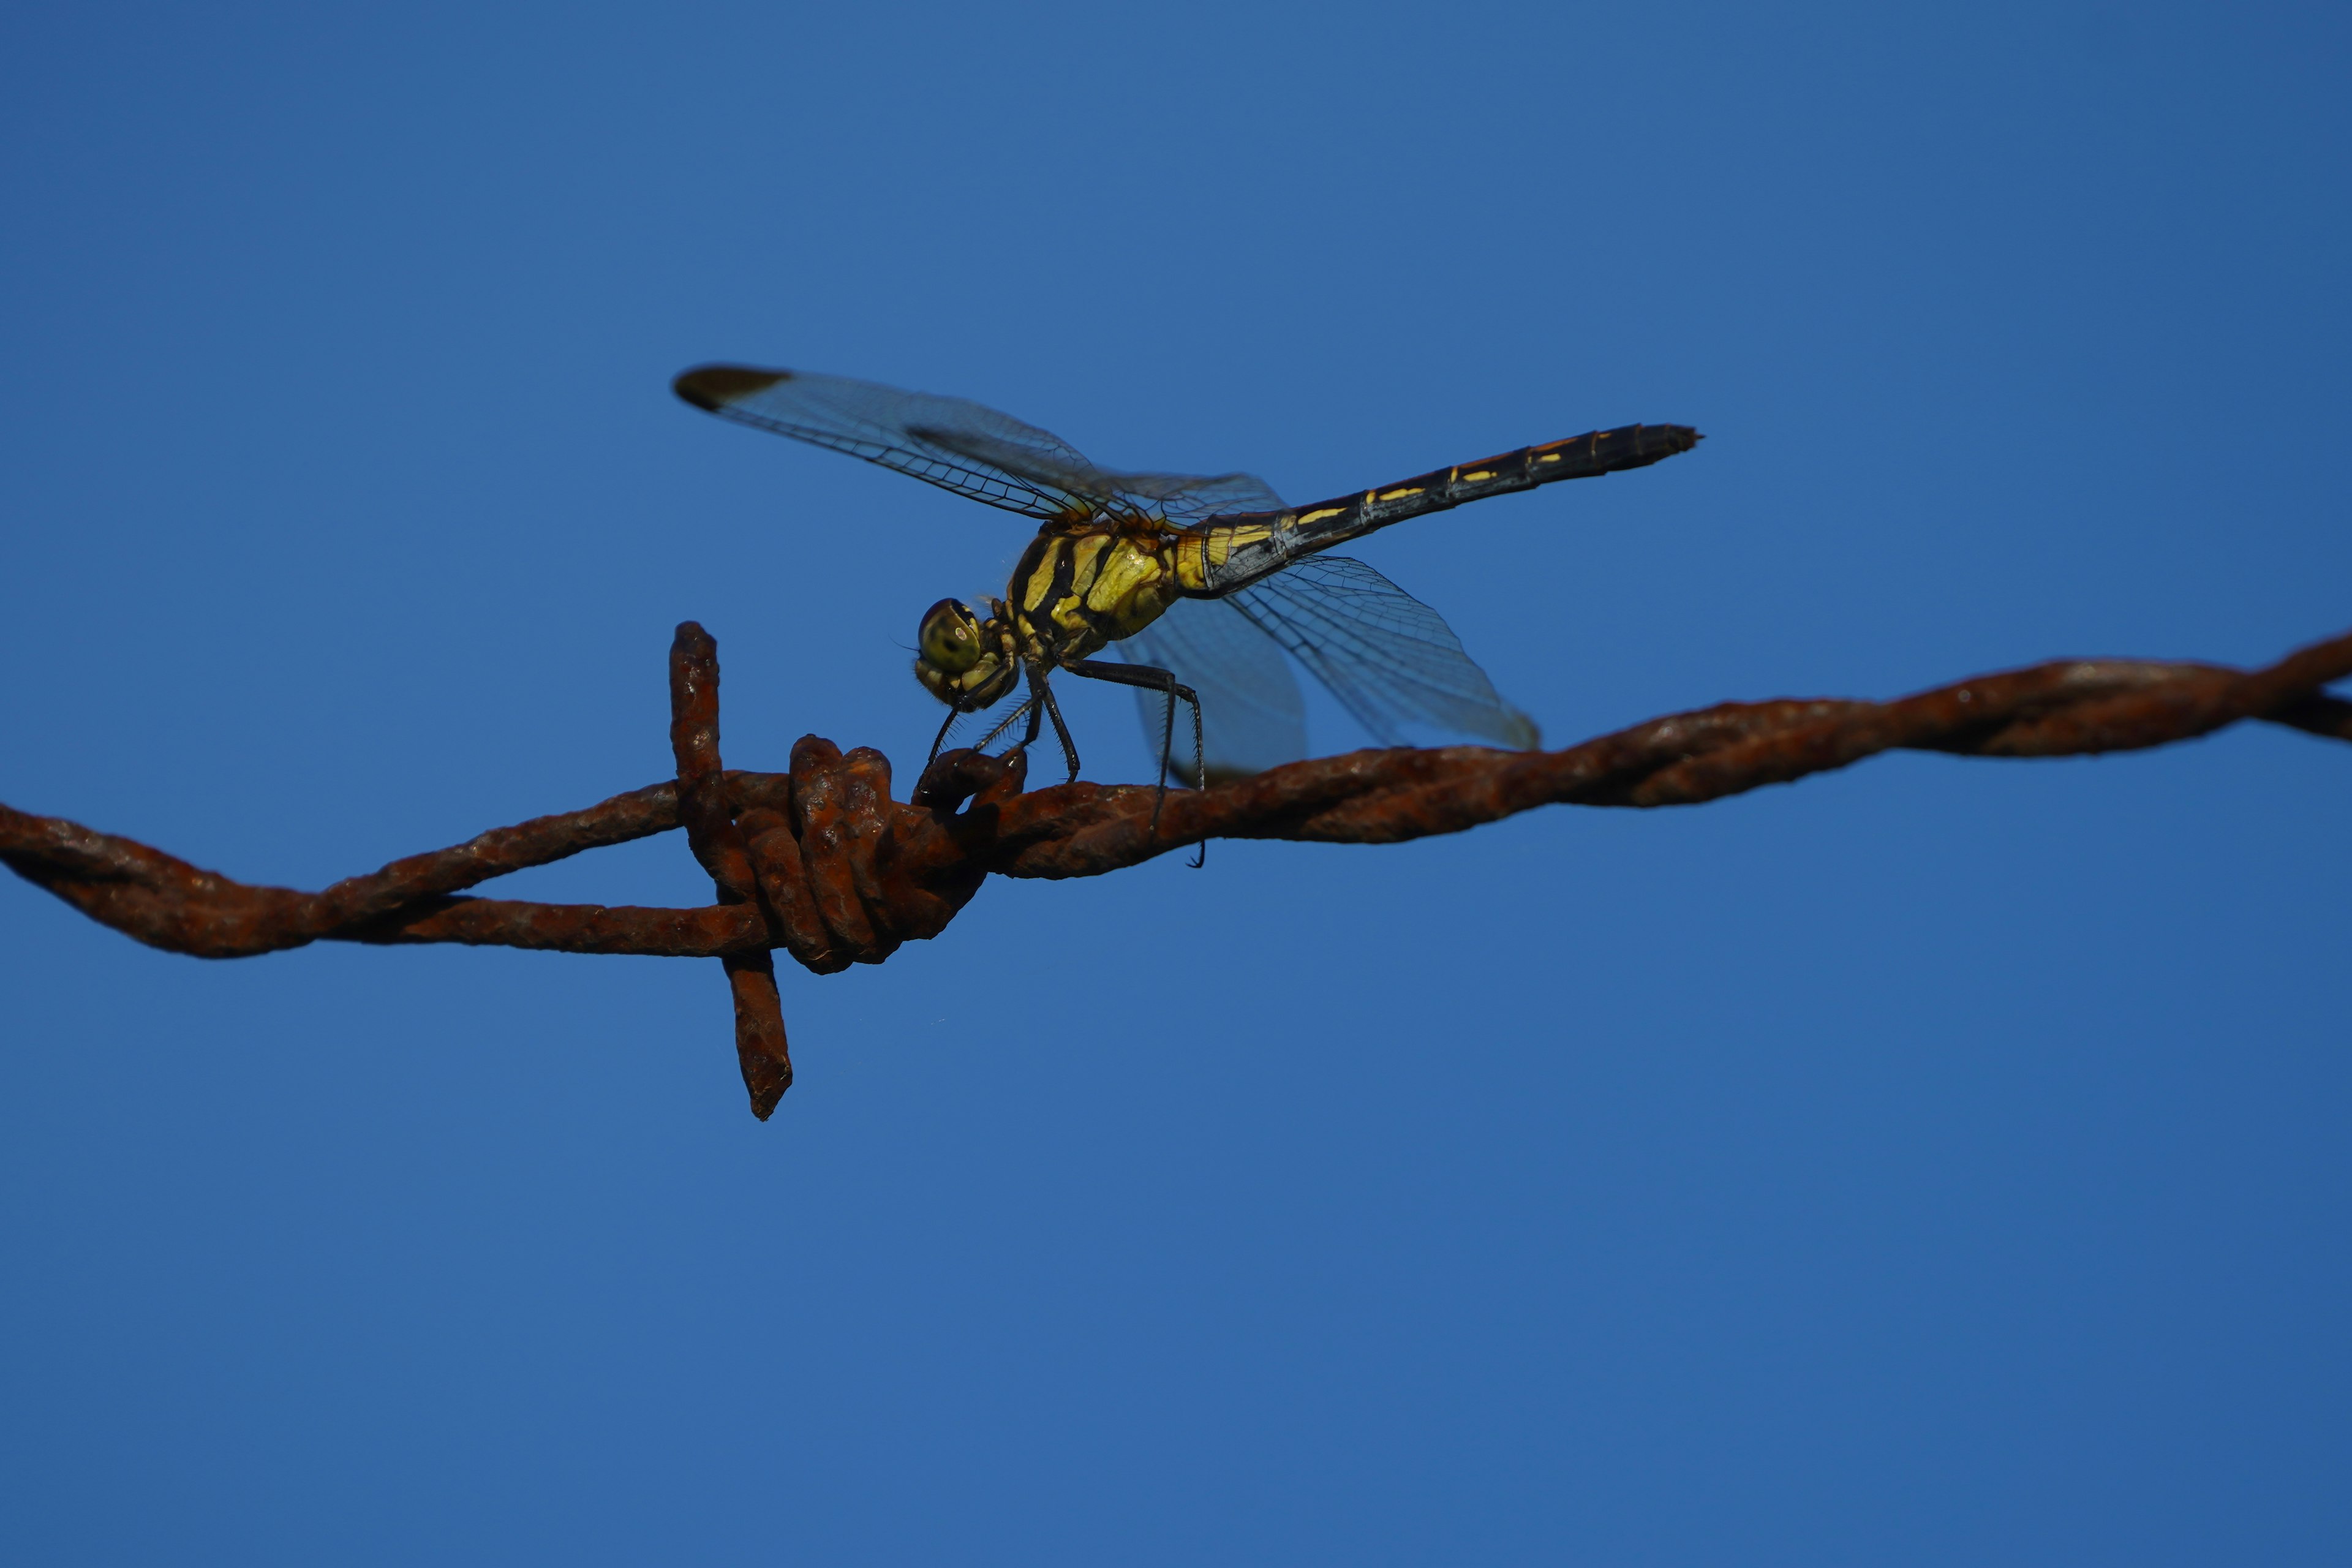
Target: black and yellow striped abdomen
{"x":1235,"y":551}
{"x":1086,"y":582}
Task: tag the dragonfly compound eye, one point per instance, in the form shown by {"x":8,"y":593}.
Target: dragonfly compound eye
{"x":965,"y":662}
{"x":949,"y":637}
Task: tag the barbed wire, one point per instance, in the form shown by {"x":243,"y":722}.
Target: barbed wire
{"x":822,"y":862}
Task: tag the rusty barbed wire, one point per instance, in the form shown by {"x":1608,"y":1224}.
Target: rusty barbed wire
{"x":822,"y":862}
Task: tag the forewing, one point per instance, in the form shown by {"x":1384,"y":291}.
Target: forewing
{"x":957,"y":445}
{"x":1252,"y":715}
{"x":1390,"y":659}
{"x":1183,"y":499}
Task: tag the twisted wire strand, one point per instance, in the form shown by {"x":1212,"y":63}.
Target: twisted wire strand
{"x":822,"y":862}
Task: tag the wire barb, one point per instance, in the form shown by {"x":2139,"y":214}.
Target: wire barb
{"x":822,"y":862}
{"x":719,"y":842}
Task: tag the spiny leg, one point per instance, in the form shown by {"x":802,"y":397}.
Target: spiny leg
{"x":1153,"y":678}
{"x":941,"y":739}
{"x":1200,"y":765}
{"x":1007,"y":723}
{"x":1036,"y":710}
{"x":1060,"y":731}
{"x":1199,"y":772}
{"x":1039,"y":704}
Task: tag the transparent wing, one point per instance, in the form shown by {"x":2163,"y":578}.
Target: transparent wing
{"x":947,"y":441}
{"x":1252,"y":716}
{"x":1390,"y":659}
{"x":1184,"y":499}
{"x":958,"y":445}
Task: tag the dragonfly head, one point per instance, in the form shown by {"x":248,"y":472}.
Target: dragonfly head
{"x":964,"y":661}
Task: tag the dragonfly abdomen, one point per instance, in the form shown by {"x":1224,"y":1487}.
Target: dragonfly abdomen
{"x":1233,"y":552}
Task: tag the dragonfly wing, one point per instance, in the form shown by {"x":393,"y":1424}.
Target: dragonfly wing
{"x":954,"y":444}
{"x":959,"y":444}
{"x":1252,"y":716}
{"x":1390,"y":659}
{"x":1183,"y":499}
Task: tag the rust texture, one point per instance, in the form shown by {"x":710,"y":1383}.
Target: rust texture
{"x":716,"y":840}
{"x":822,"y":862}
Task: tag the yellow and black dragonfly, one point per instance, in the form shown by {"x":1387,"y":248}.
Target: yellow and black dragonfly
{"x":1204,"y":582}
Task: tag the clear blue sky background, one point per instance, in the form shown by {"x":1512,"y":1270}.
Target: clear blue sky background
{"x":1942,"y":1162}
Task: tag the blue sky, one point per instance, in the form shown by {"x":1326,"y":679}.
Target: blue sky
{"x":1940,"y":1162}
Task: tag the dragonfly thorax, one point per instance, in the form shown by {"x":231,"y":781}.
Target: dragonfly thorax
{"x":1076,"y":592}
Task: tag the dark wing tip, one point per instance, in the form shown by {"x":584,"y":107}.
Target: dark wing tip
{"x":714,"y":386}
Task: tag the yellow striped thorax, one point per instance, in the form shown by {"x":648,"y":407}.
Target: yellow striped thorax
{"x":1080,"y":587}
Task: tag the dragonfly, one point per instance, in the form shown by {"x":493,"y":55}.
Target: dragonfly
{"x":1204,"y":584}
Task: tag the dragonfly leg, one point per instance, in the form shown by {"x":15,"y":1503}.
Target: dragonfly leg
{"x":941,"y":739}
{"x":1153,"y":678}
{"x":1023,"y":711}
{"x":1060,"y":731}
